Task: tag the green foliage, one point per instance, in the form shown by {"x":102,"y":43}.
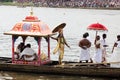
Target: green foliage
{"x":6,"y":0}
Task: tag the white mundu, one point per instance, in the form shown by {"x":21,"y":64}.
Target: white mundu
{"x":28,"y":51}
{"x":84,"y":54}
{"x":98,"y":54}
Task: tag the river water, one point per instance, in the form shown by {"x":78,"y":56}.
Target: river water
{"x":77,"y":21}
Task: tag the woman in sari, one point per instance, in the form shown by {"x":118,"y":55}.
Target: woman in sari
{"x":60,"y":45}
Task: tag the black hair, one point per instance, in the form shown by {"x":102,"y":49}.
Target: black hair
{"x":84,"y":35}
{"x":28,"y":45}
{"x":104,"y":35}
{"x":87,"y":34}
{"x":118,"y":36}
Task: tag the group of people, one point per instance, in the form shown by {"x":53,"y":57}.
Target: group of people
{"x":25,"y":52}
{"x":75,"y":3}
{"x":100,"y":49}
{"x":85,"y":44}
{"x":80,"y":3}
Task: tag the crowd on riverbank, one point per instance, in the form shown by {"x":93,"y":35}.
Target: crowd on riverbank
{"x":76,"y":3}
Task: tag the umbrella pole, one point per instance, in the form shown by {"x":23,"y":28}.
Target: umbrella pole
{"x":96,"y":34}
{"x":95,"y":37}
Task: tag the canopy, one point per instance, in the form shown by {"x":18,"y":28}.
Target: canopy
{"x":97,"y":26}
{"x":31,"y":26}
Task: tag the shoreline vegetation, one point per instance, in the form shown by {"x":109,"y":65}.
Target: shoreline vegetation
{"x":36,"y":5}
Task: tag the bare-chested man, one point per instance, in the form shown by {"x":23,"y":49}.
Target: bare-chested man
{"x":84,"y":44}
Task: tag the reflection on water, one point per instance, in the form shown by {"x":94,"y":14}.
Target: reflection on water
{"x":77,"y":21}
{"x":30,"y":76}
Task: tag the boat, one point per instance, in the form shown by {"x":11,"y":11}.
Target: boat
{"x":69,"y":68}
{"x":33,"y":27}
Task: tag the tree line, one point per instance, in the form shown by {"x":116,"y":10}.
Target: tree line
{"x":6,"y":0}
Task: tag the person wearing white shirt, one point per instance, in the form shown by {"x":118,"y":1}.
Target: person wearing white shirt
{"x":104,"y":45}
{"x":28,"y":54}
{"x":115,"y":57}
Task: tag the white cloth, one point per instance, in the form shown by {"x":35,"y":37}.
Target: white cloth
{"x":98,"y":56}
{"x":28,"y":51}
{"x":118,"y":42}
{"x":85,"y":55}
{"x":17,"y":50}
{"x":115,"y":57}
{"x":103,"y":42}
{"x":98,"y":53}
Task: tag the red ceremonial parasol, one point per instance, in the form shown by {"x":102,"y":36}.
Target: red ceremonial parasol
{"x":97,"y":27}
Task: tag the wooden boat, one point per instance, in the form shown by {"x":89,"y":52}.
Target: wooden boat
{"x":35,"y":28}
{"x":76,"y":69}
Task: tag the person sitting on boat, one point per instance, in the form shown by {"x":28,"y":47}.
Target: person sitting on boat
{"x":104,"y":45}
{"x":85,"y":44}
{"x":19,"y":49}
{"x":98,"y":47}
{"x":28,"y":54}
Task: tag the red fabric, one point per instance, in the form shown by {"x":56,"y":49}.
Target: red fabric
{"x":97,"y":26}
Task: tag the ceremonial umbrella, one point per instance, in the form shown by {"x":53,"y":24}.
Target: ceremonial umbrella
{"x":61,"y":26}
{"x":97,"y":27}
{"x":30,"y":26}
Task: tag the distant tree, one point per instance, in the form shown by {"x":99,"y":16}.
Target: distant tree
{"x":6,"y":0}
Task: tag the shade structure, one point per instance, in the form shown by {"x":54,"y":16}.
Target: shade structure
{"x":97,"y":27}
{"x":61,"y":26}
{"x":30,"y":26}
{"x":35,"y":28}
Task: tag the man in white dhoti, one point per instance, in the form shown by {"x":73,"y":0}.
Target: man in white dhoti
{"x":98,"y":53}
{"x":84,"y":44}
{"x":87,"y":34}
{"x":28,"y":54}
{"x":104,"y":45}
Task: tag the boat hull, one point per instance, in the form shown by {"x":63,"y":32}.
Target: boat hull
{"x":46,"y":69}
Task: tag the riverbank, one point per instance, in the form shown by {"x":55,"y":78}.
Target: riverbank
{"x":15,"y":4}
{"x":36,"y":5}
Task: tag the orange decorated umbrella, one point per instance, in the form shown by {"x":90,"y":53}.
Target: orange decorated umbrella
{"x":30,"y":26}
